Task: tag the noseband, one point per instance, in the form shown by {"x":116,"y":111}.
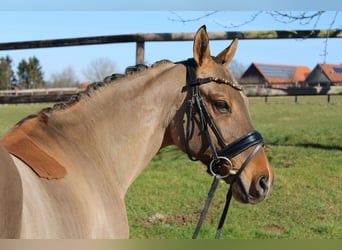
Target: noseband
{"x":227,"y":151}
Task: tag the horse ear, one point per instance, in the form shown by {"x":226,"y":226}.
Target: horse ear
{"x":201,"y":46}
{"x":228,"y":53}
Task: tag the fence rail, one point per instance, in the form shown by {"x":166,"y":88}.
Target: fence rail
{"x":44,"y":91}
{"x":141,"y":38}
{"x":64,"y":94}
{"x":37,"y":95}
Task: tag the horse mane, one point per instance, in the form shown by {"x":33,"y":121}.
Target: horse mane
{"x":95,"y":86}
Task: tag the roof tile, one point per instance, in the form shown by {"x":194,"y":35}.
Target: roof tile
{"x":332,"y":71}
{"x":282,"y":73}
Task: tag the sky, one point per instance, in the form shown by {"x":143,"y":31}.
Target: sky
{"x":27,"y":22}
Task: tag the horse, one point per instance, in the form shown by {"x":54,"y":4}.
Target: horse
{"x":64,"y":171}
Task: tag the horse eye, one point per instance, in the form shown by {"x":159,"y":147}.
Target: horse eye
{"x":222,"y":106}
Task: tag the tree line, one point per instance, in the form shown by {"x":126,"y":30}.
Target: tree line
{"x":28,"y":74}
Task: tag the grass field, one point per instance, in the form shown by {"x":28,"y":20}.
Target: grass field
{"x":304,"y":145}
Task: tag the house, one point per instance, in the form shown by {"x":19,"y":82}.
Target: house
{"x":325,"y":75}
{"x":274,"y":75}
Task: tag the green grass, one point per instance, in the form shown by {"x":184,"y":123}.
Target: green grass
{"x":311,"y":122}
{"x":304,"y":144}
{"x":11,"y":114}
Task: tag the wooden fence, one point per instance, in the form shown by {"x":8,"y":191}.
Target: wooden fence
{"x":37,"y":95}
{"x":141,"y":38}
{"x":64,"y":94}
{"x":56,"y":95}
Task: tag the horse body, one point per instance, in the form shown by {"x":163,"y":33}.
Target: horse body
{"x":101,"y":142}
{"x":95,"y":209}
{"x":68,"y":208}
{"x":11,"y":193}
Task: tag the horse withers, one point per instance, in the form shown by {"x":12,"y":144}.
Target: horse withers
{"x":64,"y":172}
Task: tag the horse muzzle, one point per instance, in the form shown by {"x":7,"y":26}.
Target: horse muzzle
{"x":246,"y":191}
{"x":252,"y":193}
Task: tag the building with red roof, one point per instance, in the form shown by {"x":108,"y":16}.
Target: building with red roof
{"x":274,"y":75}
{"x":325,"y":75}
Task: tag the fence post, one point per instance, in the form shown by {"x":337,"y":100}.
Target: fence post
{"x":328,"y":98}
{"x":140,"y":53}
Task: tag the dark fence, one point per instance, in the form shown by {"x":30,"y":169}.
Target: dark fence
{"x":141,"y":38}
{"x":64,"y":94}
{"x":35,"y":98}
{"x":37,"y":95}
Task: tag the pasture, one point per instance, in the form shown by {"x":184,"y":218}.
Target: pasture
{"x":304,"y":145}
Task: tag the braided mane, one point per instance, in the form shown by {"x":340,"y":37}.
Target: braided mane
{"x":129,"y":71}
{"x":93,"y":87}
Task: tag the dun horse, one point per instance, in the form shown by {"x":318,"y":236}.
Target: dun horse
{"x":64,"y":172}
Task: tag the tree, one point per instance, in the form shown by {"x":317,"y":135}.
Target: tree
{"x":98,"y":69}
{"x":22,"y":73}
{"x":237,"y":68}
{"x":302,"y":17}
{"x":30,"y":73}
{"x":66,"y":78}
{"x":6,"y":73}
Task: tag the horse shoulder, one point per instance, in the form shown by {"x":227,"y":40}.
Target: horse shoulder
{"x":11,"y":196}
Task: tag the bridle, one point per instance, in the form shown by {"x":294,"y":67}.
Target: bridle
{"x":228,"y":151}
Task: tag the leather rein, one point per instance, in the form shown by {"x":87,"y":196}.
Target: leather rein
{"x":228,"y":151}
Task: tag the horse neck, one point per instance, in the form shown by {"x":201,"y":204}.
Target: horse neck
{"x":121,"y":126}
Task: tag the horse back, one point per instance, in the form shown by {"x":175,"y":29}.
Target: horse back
{"x":11,"y":197}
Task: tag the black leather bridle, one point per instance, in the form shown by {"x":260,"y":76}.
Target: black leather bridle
{"x":228,"y":151}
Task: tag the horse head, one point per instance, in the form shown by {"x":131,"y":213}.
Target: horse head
{"x":214,"y":125}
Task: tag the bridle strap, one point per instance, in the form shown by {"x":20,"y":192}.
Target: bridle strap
{"x":242,"y":144}
{"x":228,"y":197}
{"x":224,"y":212}
{"x":227,"y":151}
{"x":230,"y":190}
{"x":206,"y":207}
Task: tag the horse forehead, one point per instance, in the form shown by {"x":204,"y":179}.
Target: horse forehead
{"x":212,"y":89}
{"x":223,"y":91}
{"x":214,"y":69}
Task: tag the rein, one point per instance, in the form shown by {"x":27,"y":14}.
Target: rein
{"x":227,"y":151}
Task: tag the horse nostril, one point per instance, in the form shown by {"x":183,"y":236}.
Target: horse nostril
{"x":263,"y":185}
